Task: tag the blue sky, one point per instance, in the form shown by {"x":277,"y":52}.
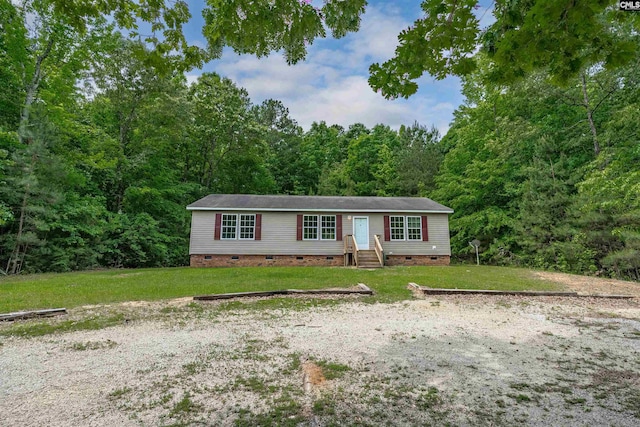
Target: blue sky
{"x":331,"y":84}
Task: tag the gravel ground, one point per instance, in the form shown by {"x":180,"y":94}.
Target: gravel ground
{"x":463,"y":360}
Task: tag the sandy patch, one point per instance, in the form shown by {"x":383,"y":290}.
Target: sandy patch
{"x":591,"y":285}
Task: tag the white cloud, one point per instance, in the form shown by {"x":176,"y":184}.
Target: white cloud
{"x":192,"y":78}
{"x":378,"y":35}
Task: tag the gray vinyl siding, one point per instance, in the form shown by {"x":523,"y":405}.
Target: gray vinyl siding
{"x":438,"y":227}
{"x":279,"y":232}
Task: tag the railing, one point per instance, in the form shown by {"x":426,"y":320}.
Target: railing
{"x":350,"y":247}
{"x":355,"y":250}
{"x":347,"y":249}
{"x":378,"y":247}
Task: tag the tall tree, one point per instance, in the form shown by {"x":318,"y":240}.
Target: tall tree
{"x":283,"y":136}
{"x":126,"y":84}
{"x":231,"y":148}
{"x":418,"y":160}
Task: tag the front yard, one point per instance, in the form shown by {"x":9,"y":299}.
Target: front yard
{"x":472,"y":360}
{"x":136,"y":350}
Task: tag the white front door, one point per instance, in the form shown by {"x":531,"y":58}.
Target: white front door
{"x":361,"y":231}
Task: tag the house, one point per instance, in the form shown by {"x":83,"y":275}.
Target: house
{"x":253,"y":230}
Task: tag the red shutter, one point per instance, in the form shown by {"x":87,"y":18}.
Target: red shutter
{"x":216,"y":234}
{"x":299,"y":227}
{"x":425,"y":229}
{"x":338,"y":227}
{"x":257,"y":235}
{"x":387,"y":229}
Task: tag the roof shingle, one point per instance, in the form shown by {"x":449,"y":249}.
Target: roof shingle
{"x":318,"y":203}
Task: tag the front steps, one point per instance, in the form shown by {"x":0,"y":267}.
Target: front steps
{"x":368,"y":259}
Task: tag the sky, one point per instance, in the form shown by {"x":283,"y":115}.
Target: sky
{"x":331,"y":84}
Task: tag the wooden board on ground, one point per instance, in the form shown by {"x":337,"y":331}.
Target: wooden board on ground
{"x":361,"y":289}
{"x":19,"y":315}
{"x":436,"y":291}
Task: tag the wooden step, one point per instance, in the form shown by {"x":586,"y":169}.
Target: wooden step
{"x":368,"y":259}
{"x":369,"y":265}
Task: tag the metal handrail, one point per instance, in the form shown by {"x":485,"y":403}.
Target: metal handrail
{"x":379,"y":250}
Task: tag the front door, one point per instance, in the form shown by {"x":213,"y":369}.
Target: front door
{"x":361,"y":231}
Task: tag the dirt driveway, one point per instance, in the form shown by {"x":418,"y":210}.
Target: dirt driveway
{"x":459,"y":360}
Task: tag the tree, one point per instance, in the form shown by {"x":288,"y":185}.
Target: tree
{"x":229,"y":141}
{"x":157,"y":24}
{"x":261,"y":27}
{"x":31,"y":194}
{"x":126,"y":84}
{"x":417,"y":160}
{"x":323,"y":148}
{"x":284,"y":139}
{"x":13,"y":57}
{"x":370,"y":163}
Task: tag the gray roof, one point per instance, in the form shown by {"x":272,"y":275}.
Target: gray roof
{"x":247,"y":202}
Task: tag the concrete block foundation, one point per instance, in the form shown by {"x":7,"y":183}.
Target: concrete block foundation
{"x":306,"y":260}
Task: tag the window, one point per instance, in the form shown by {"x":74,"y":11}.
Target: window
{"x":414,"y":228}
{"x":397,"y":227}
{"x":328,"y":227}
{"x":241,"y":227}
{"x":247,"y":227}
{"x":228,"y":230}
{"x":310,"y":227}
{"x":405,"y":228}
{"x":319,"y":226}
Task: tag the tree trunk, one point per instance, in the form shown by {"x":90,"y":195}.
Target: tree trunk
{"x":596,"y":145}
{"x":14,"y":264}
{"x":125,"y":120}
{"x":32,"y":91}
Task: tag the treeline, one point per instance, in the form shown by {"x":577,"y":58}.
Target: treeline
{"x":103,"y":144}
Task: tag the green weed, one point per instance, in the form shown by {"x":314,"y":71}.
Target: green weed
{"x":93,"y":345}
{"x":184,"y":406}
{"x":29,"y":330}
{"x":331,"y":370}
{"x":119,"y":392}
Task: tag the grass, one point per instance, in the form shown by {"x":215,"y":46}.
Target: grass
{"x":40,"y":291}
{"x":331,"y":370}
{"x":39,"y":329}
{"x":184,"y":406}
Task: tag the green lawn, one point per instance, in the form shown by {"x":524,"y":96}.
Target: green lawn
{"x":69,"y":290}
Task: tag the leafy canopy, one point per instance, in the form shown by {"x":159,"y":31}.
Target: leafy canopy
{"x":560,"y":36}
